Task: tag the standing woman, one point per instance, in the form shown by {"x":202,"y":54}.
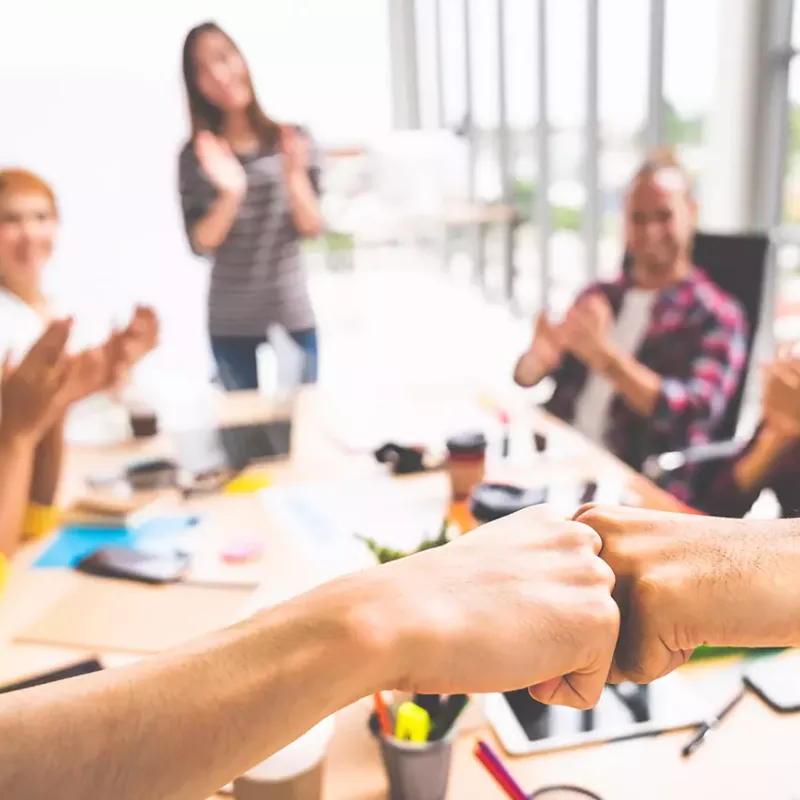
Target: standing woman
{"x":250,"y":192}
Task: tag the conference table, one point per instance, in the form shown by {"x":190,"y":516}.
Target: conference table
{"x":51,"y":617}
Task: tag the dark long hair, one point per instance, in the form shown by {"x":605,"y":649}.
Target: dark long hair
{"x":205,"y":116}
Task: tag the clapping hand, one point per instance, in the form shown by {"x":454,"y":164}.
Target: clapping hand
{"x":36,"y":393}
{"x":545,"y":346}
{"x":295,"y":149}
{"x":220,"y":164}
{"x":127,"y":347}
{"x":542,"y":356}
{"x":585,"y":331}
{"x":781,"y":404}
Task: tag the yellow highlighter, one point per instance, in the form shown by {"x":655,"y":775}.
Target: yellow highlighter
{"x":413,"y":723}
{"x":248,"y":483}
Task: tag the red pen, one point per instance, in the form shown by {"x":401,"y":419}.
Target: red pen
{"x":384,"y":720}
{"x":495,"y":768}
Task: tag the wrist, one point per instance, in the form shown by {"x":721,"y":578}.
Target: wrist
{"x":755,"y":601}
{"x":295,"y":172}
{"x":354,"y":614}
{"x":233,"y":195}
{"x":775,"y":592}
{"x":775,"y":438}
{"x":607,"y":361}
{"x":18,"y":440}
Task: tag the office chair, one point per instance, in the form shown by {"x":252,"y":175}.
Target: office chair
{"x":738,"y":264}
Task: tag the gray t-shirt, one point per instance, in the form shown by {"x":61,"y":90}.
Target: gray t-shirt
{"x":257,"y":279}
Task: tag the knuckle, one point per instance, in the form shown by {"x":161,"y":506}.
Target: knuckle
{"x":648,"y":592}
{"x":598,"y":618}
{"x":576,"y":536}
{"x":604,"y":574}
{"x":605,"y":613}
{"x":592,"y":571}
{"x":600,"y":518}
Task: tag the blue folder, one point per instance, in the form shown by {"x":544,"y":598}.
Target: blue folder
{"x":73,"y":543}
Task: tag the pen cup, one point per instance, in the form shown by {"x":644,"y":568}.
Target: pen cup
{"x":415,"y":771}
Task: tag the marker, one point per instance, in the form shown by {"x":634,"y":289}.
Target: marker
{"x":413,"y":723}
{"x":444,"y":723}
{"x":432,"y":703}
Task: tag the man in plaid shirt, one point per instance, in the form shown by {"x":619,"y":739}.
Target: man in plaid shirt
{"x":646,"y":363}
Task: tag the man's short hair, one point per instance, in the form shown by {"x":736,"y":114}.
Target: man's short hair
{"x":664,"y":161}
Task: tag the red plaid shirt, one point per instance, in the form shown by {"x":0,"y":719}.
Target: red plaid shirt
{"x":697,"y":342}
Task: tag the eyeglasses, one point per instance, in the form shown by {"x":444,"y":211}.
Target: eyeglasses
{"x":564,"y":793}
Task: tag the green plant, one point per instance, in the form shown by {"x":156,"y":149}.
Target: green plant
{"x":566,"y":218}
{"x":384,"y":555}
{"x":523,"y":196}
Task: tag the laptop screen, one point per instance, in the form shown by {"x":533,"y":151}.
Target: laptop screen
{"x":201,"y":452}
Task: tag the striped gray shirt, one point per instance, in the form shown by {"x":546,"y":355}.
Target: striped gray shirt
{"x":257,"y":278}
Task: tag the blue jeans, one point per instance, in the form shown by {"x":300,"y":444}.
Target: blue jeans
{"x":236,"y":358}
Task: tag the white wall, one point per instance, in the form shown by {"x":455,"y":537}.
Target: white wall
{"x":91,"y":98}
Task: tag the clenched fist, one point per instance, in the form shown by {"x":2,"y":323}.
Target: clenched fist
{"x":685,"y":580}
{"x":521,"y":602}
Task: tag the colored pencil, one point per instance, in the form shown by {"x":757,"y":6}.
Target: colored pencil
{"x":495,"y":767}
{"x":384,"y":720}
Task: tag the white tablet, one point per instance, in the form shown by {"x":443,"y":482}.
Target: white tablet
{"x":625,"y":712}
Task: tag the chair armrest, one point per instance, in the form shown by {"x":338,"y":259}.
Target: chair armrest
{"x":658,"y":466}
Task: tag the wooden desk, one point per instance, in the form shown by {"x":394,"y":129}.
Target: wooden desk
{"x":648,"y":768}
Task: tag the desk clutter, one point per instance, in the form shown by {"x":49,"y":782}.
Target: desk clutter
{"x":252,"y":528}
{"x":415,"y":740}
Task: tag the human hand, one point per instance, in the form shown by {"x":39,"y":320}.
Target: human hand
{"x":545,"y":346}
{"x":542,"y":356}
{"x":781,"y":402}
{"x":220,"y":164}
{"x":686,"y":580}
{"x":523,"y":601}
{"x":295,"y":149}
{"x":33,"y":394}
{"x":586,"y":329}
{"x":86,"y":373}
{"x":140,"y":337}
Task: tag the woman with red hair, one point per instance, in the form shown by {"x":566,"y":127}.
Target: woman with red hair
{"x":42,"y":376}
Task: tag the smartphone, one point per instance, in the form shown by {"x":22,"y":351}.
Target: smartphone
{"x":776,"y":680}
{"x":72,"y":671}
{"x":133,"y":565}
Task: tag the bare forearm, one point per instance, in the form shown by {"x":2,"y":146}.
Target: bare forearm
{"x":211,"y":231}
{"x":304,"y":203}
{"x":47,"y":466}
{"x":638,"y":385}
{"x":16,"y":470}
{"x":752,"y":469}
{"x":182,"y":726}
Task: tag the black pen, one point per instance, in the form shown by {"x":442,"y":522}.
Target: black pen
{"x":429,"y":702}
{"x":709,"y":725}
{"x":452,"y":709}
